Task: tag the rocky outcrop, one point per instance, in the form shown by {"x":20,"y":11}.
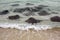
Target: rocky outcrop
{"x":55,"y":19}
{"x":14,"y":17}
{"x":33,"y":20}
{"x":4,"y":12}
{"x":31,"y":9}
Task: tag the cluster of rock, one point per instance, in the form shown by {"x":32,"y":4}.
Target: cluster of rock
{"x":29,"y":10}
{"x":32,"y":10}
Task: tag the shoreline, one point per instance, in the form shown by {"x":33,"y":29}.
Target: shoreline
{"x":31,"y":34}
{"x":27,"y":26}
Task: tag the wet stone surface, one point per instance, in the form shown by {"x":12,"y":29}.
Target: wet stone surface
{"x":55,"y":19}
{"x":14,"y":17}
{"x":4,"y":12}
{"x":33,"y":20}
{"x":43,"y":13}
{"x":31,"y":9}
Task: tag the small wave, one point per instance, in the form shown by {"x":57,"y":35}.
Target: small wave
{"x":25,"y":26}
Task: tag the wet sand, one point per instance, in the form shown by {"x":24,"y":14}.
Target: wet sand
{"x":15,"y":34}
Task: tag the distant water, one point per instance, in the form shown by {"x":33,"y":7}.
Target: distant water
{"x":54,"y":4}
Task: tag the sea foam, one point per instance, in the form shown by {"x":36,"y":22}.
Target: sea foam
{"x":25,"y":26}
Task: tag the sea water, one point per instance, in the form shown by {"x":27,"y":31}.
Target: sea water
{"x":54,"y":5}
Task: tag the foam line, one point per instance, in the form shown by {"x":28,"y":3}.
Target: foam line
{"x":25,"y":26}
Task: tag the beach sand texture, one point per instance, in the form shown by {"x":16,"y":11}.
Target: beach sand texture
{"x":15,"y":34}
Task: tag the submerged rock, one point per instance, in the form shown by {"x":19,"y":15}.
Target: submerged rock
{"x":35,"y":10}
{"x":31,"y":9}
{"x":14,"y":17}
{"x":38,"y":8}
{"x":29,"y":14}
{"x":43,"y":13}
{"x":19,"y":10}
{"x":55,"y":19}
{"x":32,"y":20}
{"x":15,"y":5}
{"x":27,"y":9}
{"x":29,"y":4}
{"x":55,"y":13}
{"x":4,"y":12}
{"x":42,"y":5}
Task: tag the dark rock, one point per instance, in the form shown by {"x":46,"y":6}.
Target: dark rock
{"x":36,"y":9}
{"x":14,"y":17}
{"x":19,"y":10}
{"x":32,"y":20}
{"x":31,"y":9}
{"x":43,"y":13}
{"x":4,"y":12}
{"x":55,"y":19}
{"x":29,"y":4}
{"x":15,"y":5}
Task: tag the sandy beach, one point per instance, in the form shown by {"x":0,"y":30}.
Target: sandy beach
{"x":17,"y":16}
{"x":31,"y":34}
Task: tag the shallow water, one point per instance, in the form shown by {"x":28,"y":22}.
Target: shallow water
{"x":53,"y":5}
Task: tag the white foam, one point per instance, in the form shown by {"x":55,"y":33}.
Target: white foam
{"x":25,"y":26}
